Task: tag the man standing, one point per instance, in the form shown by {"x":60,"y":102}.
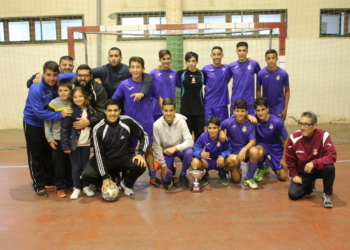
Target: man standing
{"x":275,"y":83}
{"x":35,"y":113}
{"x":243,"y":72}
{"x":310,"y":155}
{"x":216,"y":90}
{"x":112,"y":155}
{"x":113,"y":73}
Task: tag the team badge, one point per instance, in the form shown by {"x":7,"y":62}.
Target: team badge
{"x":244,"y":129}
{"x":193,"y":79}
{"x":219,"y":144}
{"x":315,"y":151}
{"x":249,"y":67}
{"x":223,"y":68}
{"x":278,"y":77}
{"x":271,"y":126}
{"x":170,"y":76}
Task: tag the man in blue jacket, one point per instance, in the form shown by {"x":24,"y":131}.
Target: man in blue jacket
{"x":35,"y":113}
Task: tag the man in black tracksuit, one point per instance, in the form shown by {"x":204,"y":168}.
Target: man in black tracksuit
{"x":112,"y":153}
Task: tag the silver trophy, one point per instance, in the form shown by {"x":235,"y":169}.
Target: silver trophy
{"x":196,"y":175}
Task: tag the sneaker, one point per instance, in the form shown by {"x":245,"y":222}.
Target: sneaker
{"x":157,"y":165}
{"x":75,"y":194}
{"x":127,"y":191}
{"x":205,"y":179}
{"x":251,"y":183}
{"x":42,"y":193}
{"x":93,"y":188}
{"x":50,"y":187}
{"x":61,"y":193}
{"x":170,"y":185}
{"x":184,"y":182}
{"x":327,"y":201}
{"x":156,"y":182}
{"x":87,"y":190}
{"x":223,"y":179}
{"x":266,"y":168}
{"x":259,"y":175}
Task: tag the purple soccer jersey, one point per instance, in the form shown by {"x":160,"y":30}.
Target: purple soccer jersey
{"x":215,"y":148}
{"x":238,"y":134}
{"x":141,"y":111}
{"x":273,"y":86}
{"x":243,"y":82}
{"x":165,"y":83}
{"x":216,"y":91}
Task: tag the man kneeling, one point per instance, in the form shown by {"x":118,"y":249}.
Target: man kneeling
{"x":112,"y":153}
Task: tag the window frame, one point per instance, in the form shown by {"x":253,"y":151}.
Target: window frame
{"x":346,"y":21}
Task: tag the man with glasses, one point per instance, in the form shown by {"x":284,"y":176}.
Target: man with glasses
{"x":310,"y":155}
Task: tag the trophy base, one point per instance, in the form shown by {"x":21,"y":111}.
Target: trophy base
{"x":196,"y":189}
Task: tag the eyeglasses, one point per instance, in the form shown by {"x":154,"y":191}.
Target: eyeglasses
{"x":305,"y":124}
{"x":83,"y":76}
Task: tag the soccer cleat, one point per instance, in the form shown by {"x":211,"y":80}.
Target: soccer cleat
{"x":61,"y":193}
{"x":170,"y":185}
{"x":251,"y":183}
{"x":327,"y":201}
{"x":156,"y":182}
{"x":87,"y":190}
{"x":157,"y":165}
{"x":266,"y":168}
{"x":184,"y":182}
{"x":42,"y":193}
{"x":127,"y":191}
{"x":205,"y":179}
{"x":223,"y":179}
{"x":259,"y":175}
{"x":75,"y":194}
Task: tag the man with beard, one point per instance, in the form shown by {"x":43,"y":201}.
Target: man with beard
{"x":96,"y":93}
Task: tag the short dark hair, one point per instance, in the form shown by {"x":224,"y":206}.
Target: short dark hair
{"x":137,"y":59}
{"x":51,"y":65}
{"x":260,"y":101}
{"x":115,"y":48}
{"x":271,"y":51}
{"x":241,"y":104}
{"x":191,"y":54}
{"x":217,"y":47}
{"x":163,"y":52}
{"x":66,"y":83}
{"x":311,"y":115}
{"x":84,"y":67}
{"x":68,"y":58}
{"x":242,"y":44}
{"x":169,"y":101}
{"x":214,"y":120}
{"x":82,"y":90}
{"x":112,"y":102}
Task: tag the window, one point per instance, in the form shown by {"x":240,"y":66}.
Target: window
{"x":335,"y":22}
{"x":38,"y":29}
{"x":203,"y":17}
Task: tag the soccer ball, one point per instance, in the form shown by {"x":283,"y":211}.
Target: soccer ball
{"x":111,"y":193}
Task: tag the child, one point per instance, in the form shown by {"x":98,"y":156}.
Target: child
{"x":76,"y":142}
{"x":63,"y":169}
{"x":210,"y":153}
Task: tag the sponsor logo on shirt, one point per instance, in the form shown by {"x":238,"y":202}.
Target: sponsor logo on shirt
{"x":278,"y":77}
{"x":249,"y":67}
{"x":266,"y":76}
{"x":244,"y":129}
{"x":236,"y":67}
{"x":329,"y":144}
{"x":299,"y":151}
{"x":289,"y":146}
{"x":131,"y":88}
{"x":207,"y":144}
{"x":211,"y":70}
{"x":271,"y":126}
{"x":159,"y":74}
{"x":233,"y":126}
{"x":315,"y":151}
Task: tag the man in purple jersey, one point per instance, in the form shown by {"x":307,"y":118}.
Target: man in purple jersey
{"x":210,"y":153}
{"x":241,"y":136}
{"x":243,"y":72}
{"x":164,"y":80}
{"x":271,"y":138}
{"x":216,"y":91}
{"x":141,"y":111}
{"x":275,"y":85}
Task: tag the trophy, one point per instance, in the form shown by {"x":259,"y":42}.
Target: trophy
{"x":196,"y":175}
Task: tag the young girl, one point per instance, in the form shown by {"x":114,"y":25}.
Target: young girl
{"x":76,"y":142}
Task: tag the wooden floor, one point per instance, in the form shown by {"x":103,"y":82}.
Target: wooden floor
{"x":231,"y":217}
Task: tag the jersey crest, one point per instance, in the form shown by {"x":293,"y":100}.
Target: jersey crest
{"x":170,"y":75}
{"x":218,"y":144}
{"x":193,"y":80}
{"x":315,"y":151}
{"x":249,"y":67}
{"x":244,"y":129}
{"x":271,"y":126}
{"x":278,"y":77}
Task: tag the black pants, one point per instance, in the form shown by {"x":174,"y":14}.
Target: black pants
{"x":297,"y":191}
{"x":39,"y":157}
{"x":195,"y":123}
{"x":63,"y":168}
{"x":114,"y":166}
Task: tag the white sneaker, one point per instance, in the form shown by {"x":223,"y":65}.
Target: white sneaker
{"x":127,"y":191}
{"x":87,"y":190}
{"x":75,"y":194}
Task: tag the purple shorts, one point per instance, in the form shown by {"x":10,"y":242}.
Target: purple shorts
{"x":274,"y":159}
{"x":220,"y":112}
